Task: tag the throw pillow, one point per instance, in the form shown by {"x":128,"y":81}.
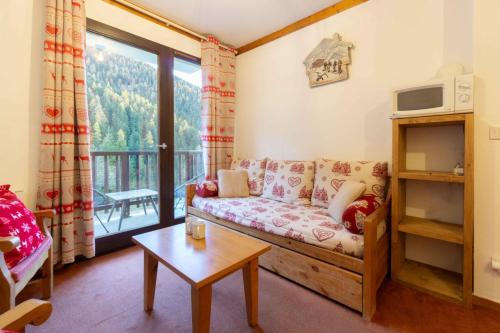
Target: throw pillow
{"x":349,"y":191}
{"x":17,"y":220}
{"x":256,"y":170}
{"x":233,"y":183}
{"x":355,"y":214}
{"x":289,"y":181}
{"x":207,"y":188}
{"x":331,"y":174}
{"x":5,"y":187}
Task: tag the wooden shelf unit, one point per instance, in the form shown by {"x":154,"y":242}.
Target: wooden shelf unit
{"x":445,"y":284}
{"x":437,"y":281}
{"x":435,"y":176}
{"x":448,"y":232}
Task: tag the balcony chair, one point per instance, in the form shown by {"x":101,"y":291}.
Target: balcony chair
{"x":100,"y":200}
{"x":180,"y":191}
{"x":30,"y":312}
{"x":13,"y":281}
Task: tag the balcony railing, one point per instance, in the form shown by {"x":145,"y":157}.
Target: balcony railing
{"x":130,"y":170}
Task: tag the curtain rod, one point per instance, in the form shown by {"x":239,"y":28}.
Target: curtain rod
{"x":167,"y":22}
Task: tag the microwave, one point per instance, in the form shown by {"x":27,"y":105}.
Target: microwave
{"x":440,"y":96}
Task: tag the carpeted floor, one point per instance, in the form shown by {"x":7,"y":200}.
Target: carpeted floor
{"x":105,"y":295}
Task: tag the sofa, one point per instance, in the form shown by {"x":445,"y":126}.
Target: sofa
{"x":288,"y":208}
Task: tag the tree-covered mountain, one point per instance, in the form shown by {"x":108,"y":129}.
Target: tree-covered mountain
{"x":122,"y":98}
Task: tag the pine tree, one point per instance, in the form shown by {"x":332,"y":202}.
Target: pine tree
{"x":96,"y":135}
{"x":121,"y":141}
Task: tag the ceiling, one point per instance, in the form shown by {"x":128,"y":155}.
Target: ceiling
{"x":234,"y":22}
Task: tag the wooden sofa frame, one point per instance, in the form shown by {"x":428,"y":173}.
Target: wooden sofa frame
{"x":9,"y":289}
{"x":349,"y":280}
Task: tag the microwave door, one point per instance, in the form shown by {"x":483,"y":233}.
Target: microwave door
{"x":429,"y":99}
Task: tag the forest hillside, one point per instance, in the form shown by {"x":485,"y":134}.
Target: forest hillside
{"x":122,"y":99}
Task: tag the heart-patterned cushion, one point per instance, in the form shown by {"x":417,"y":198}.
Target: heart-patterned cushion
{"x":207,"y":188}
{"x":289,"y":181}
{"x":355,"y":213}
{"x":322,"y":234}
{"x":331,"y":174}
{"x":279,"y":222}
{"x":303,"y":223}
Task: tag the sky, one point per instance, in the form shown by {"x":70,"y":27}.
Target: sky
{"x":182,"y":69}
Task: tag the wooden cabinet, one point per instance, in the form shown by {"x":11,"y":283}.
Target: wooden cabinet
{"x":440,"y":282}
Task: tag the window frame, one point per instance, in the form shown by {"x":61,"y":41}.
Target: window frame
{"x":165,"y":131}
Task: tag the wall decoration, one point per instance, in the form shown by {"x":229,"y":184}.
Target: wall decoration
{"x":328,"y":61}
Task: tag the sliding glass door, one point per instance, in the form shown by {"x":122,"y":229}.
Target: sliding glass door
{"x":129,"y":93}
{"x":188,"y":159}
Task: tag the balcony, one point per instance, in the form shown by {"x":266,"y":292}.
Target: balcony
{"x":114,"y":172}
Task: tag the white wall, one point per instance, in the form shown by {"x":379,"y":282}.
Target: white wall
{"x":22,"y":29}
{"x":396,"y":42}
{"x":458,"y":40}
{"x":487,"y":153}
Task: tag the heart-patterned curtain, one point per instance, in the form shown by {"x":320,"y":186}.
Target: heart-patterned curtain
{"x":65,"y":181}
{"x":218,"y":99}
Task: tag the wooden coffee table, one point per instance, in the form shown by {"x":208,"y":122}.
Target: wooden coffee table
{"x":201,"y":263}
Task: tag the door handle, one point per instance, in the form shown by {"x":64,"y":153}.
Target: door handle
{"x":162,"y":146}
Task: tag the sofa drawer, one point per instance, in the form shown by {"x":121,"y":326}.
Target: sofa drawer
{"x":336,"y":283}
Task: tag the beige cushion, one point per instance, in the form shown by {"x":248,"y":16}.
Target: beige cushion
{"x":348,"y":192}
{"x":233,"y":183}
{"x":255,"y":169}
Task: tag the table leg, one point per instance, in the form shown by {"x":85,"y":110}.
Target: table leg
{"x":154,"y":205}
{"x":121,"y":216}
{"x":150,"y":271}
{"x":251,"y":282}
{"x":111,"y":212}
{"x":100,"y":221}
{"x":143,"y":199}
{"x":201,"y":301}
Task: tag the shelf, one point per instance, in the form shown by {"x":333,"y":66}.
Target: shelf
{"x":439,"y":282}
{"x":434,"y":280}
{"x":435,"y":176}
{"x":449,"y":232}
{"x":436,"y":120}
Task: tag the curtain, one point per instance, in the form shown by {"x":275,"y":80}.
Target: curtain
{"x":65,"y":182}
{"x":218,"y":96}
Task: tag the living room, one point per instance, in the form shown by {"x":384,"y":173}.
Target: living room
{"x":341,"y":155}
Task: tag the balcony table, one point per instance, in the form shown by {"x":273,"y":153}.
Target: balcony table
{"x":124,"y":196}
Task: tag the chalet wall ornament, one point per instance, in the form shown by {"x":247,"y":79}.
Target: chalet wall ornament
{"x":328,"y":62}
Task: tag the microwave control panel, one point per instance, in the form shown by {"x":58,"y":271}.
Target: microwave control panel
{"x":464,"y":92}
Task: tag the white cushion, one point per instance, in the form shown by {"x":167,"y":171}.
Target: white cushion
{"x":233,"y":183}
{"x":348,"y":192}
